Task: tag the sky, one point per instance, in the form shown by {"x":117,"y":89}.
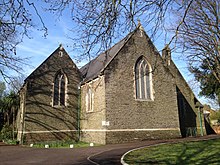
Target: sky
{"x":38,"y":48}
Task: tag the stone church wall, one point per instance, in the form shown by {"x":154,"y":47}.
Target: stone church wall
{"x":131,"y":119}
{"x":43,"y":121}
{"x":189,"y":100}
{"x":93,"y":123}
{"x":116,"y":115}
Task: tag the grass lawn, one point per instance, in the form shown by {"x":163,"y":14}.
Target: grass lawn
{"x":203,"y":152}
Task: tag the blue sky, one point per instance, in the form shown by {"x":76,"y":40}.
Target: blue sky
{"x":38,"y":48}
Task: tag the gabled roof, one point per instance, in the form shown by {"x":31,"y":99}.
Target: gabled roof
{"x":95,"y":67}
{"x":60,"y":48}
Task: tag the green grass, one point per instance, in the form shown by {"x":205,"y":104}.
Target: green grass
{"x":10,"y":141}
{"x":60,"y":144}
{"x":203,"y":152}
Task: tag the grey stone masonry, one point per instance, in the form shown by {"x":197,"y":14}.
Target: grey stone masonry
{"x":43,"y":120}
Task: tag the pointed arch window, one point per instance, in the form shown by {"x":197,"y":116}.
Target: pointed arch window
{"x":59,"y":95}
{"x":89,"y":99}
{"x":143,"y":80}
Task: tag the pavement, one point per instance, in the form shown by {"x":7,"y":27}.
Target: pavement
{"x":100,"y":155}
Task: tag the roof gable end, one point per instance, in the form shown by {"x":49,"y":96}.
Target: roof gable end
{"x":96,"y":66}
{"x":59,"y":51}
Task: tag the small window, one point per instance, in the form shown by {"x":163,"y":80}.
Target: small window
{"x":89,"y":100}
{"x":59,"y":95}
{"x":61,"y":53}
{"x":143,"y":80}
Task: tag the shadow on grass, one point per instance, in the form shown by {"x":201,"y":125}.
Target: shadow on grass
{"x":204,"y":152}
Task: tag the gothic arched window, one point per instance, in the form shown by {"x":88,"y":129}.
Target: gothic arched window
{"x":143,"y":80}
{"x":59,"y":95}
{"x":89,"y":99}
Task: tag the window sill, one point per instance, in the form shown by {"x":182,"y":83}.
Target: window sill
{"x":89,"y":111}
{"x":148,"y":100}
{"x":59,"y":106}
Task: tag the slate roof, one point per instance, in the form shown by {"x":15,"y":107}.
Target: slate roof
{"x":96,"y":66}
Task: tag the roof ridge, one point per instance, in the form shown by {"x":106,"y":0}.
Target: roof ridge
{"x":90,"y":71}
{"x":60,"y":47}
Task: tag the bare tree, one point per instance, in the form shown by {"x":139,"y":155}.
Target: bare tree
{"x":16,"y":83}
{"x":101,"y":22}
{"x":193,"y":25}
{"x":199,"y":37}
{"x":15,"y":23}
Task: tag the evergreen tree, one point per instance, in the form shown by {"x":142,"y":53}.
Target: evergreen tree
{"x":210,"y":86}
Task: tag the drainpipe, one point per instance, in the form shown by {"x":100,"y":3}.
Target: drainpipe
{"x":22,"y":130}
{"x":22,"y":123}
{"x":78,"y":111}
{"x":200,"y":106}
{"x":23,"y":109}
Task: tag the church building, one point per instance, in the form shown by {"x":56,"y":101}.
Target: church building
{"x":128,"y":93}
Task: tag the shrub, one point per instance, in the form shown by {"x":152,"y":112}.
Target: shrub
{"x":6,"y":133}
{"x":215,"y":116}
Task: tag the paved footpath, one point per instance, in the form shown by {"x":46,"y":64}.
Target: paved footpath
{"x":102,"y":155}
